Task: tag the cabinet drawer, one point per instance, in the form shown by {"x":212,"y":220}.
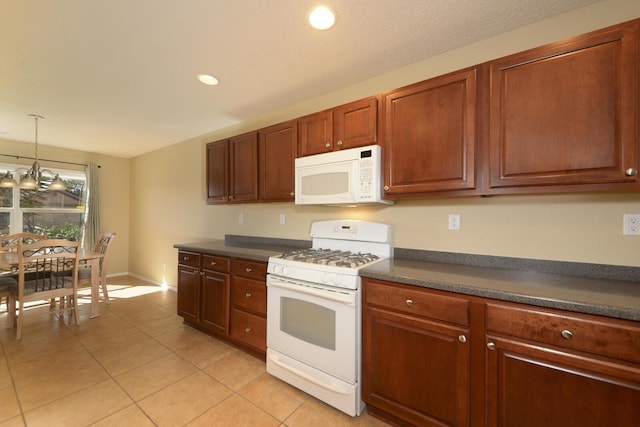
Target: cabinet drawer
{"x":416,"y":301}
{"x":250,"y":295}
{"x":189,"y":258}
{"x":251,"y":269}
{"x":608,"y":337}
{"x":249,"y":329}
{"x":215,"y":263}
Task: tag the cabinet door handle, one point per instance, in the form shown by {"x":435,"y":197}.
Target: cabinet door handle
{"x":462,"y":339}
{"x":631,"y":172}
{"x":292,"y":194}
{"x":409,"y":302}
{"x":386,"y":188}
{"x":339,"y":142}
{"x":491,"y":346}
{"x":248,"y":295}
{"x":247,"y":330}
{"x":328,"y":144}
{"x":566,"y":334}
{"x":248,"y":269}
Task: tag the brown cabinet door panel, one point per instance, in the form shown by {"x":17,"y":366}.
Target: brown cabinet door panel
{"x":217,"y":172}
{"x":214,"y":302}
{"x":355,"y":124}
{"x":532,"y":386}
{"x":430,"y":135}
{"x":277,"y":152}
{"x":188,"y":293}
{"x":415,"y":369}
{"x":566,"y":113}
{"x":244,"y":168}
{"x":315,"y":133}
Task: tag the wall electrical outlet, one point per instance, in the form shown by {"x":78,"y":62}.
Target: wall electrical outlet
{"x":454,"y":222}
{"x":283,"y":218}
{"x":241,"y":218}
{"x":631,"y":224}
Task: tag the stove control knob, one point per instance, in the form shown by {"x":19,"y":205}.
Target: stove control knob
{"x":278,"y":269}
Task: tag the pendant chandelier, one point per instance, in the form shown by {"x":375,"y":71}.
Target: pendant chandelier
{"x":31,"y":179}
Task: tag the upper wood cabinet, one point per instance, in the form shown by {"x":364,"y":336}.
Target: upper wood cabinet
{"x":232,"y":170}
{"x":429,"y":131}
{"x":567,"y":113}
{"x":277,"y":147}
{"x":347,"y":126}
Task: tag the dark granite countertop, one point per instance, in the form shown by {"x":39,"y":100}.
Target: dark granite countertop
{"x":606,"y":297}
{"x":605,"y":290}
{"x":253,"y":248}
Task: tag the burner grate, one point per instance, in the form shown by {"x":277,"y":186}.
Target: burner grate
{"x":331,"y":257}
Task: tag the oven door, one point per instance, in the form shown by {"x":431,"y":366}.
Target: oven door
{"x":316,"y":325}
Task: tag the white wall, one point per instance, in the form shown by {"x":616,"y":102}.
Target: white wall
{"x":168,"y":195}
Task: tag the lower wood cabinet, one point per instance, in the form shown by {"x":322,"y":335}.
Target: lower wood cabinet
{"x":415,"y":355}
{"x":436,"y":358}
{"x":547,"y":368}
{"x":225,"y":297}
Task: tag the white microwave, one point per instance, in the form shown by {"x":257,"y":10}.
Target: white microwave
{"x":345,"y":177}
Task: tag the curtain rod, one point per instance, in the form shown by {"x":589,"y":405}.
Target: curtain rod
{"x":44,"y":160}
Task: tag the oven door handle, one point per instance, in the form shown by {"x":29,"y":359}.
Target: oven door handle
{"x":335,"y":296}
{"x":333,"y":387}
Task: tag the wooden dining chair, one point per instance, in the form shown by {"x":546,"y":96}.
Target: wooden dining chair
{"x":103,"y":246}
{"x":47,"y":269}
{"x":10,"y":243}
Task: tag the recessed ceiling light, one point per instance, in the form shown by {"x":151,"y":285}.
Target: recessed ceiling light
{"x":322,"y":18}
{"x":208,"y":79}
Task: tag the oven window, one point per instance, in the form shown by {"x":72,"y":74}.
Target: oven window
{"x":322,"y":184}
{"x":308,"y":322}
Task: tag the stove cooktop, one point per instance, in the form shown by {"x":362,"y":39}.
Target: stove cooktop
{"x":337,"y":258}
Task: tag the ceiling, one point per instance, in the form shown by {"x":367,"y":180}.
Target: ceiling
{"x":118,"y":77}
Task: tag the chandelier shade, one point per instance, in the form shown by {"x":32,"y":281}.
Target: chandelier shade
{"x":32,"y":177}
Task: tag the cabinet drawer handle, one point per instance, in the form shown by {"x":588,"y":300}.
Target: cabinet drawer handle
{"x":462,"y":339}
{"x":247,"y":330}
{"x":409,"y":302}
{"x":566,"y":334}
{"x":213,"y":263}
{"x":185,"y":258}
{"x":248,"y":295}
{"x":248,"y":270}
{"x":491,"y":346}
{"x":631,"y":172}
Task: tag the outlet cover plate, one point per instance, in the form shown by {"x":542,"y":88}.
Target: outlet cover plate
{"x":454,"y":222}
{"x":631,"y":225}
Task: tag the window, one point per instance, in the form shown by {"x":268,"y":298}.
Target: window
{"x":57,"y":213}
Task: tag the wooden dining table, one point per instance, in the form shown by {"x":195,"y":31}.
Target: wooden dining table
{"x":9,"y":267}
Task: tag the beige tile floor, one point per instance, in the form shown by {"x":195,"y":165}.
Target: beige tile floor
{"x":138,"y":365}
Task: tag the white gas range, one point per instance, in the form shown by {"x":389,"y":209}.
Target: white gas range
{"x":314,"y":310}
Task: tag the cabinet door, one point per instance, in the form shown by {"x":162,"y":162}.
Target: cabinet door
{"x":532,"y":385}
{"x":277,"y":153}
{"x":415,"y":369}
{"x":244,"y":168}
{"x":315,"y":133}
{"x":567,"y":113}
{"x":430,"y":135}
{"x":217,"y":172}
{"x":188,"y":293}
{"x":214,"y":301}
{"x":356,"y":124}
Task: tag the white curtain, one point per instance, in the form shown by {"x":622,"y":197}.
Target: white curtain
{"x":92,"y":208}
